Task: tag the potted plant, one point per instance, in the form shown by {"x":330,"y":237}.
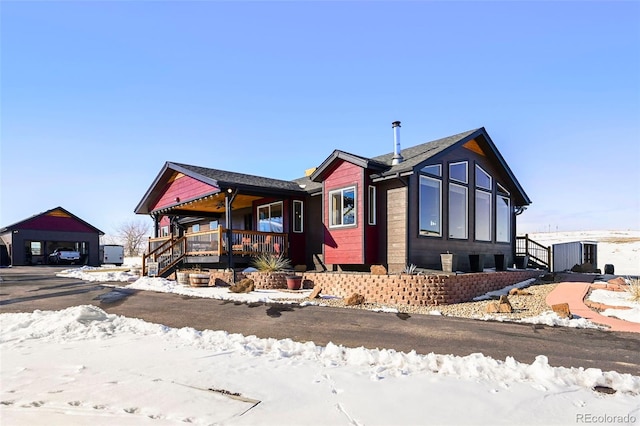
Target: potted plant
{"x":449,"y":262}
{"x":294,"y":282}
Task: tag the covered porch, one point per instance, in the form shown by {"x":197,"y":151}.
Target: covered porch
{"x":211,"y":247}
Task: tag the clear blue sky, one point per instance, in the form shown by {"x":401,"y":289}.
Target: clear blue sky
{"x":96,"y":96}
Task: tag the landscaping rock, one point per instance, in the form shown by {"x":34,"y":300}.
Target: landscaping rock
{"x":378,"y":270}
{"x":502,"y":306}
{"x":562,"y":309}
{"x":245,"y":286}
{"x":315,"y":293}
{"x":617,"y":281}
{"x":518,"y":292}
{"x":354,"y":299}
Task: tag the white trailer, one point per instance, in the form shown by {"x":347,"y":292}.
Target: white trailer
{"x":112,"y":254}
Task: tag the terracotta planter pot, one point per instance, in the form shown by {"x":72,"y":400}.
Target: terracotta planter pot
{"x":294,"y":283}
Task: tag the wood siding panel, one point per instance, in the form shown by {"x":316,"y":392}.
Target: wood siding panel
{"x":397,"y":205}
{"x":182,"y":187}
{"x":56,"y":223}
{"x":344,"y":245}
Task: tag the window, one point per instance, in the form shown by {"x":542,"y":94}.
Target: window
{"x":270,"y":217}
{"x":483,"y":180}
{"x":342,"y":207}
{"x":458,"y":172}
{"x":458,"y":211}
{"x":36,"y":248}
{"x":430,"y":206}
{"x":483,"y":215}
{"x":297,"y":216}
{"x":372,"y":205}
{"x":483,"y":205}
{"x":503,"y":219}
{"x":434,"y":170}
{"x":213,"y":225}
{"x":164,"y":231}
{"x":195,"y":228}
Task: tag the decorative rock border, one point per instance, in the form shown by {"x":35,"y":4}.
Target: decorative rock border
{"x":403,"y":289}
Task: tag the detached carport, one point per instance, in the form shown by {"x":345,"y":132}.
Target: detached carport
{"x":30,"y":241}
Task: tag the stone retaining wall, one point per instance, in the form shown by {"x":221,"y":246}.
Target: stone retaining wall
{"x":393,"y":289}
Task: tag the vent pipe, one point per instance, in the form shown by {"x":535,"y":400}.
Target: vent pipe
{"x":397,"y":157}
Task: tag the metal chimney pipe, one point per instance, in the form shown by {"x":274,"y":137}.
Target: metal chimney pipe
{"x":397,"y":157}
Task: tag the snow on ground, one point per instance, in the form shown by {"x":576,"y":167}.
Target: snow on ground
{"x":83,"y":366}
{"x":617,"y":298}
{"x":618,"y":248}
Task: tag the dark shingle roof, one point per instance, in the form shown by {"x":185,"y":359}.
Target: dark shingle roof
{"x":226,"y":178}
{"x":417,"y":154}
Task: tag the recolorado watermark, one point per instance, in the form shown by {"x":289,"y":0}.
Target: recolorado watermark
{"x":589,"y":418}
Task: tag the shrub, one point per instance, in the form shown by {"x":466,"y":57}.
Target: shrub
{"x":266,"y":262}
{"x":634,"y":289}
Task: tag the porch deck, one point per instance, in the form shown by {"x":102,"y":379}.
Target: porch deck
{"x":211,"y":245}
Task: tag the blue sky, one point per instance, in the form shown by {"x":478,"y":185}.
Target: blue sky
{"x":96,"y":96}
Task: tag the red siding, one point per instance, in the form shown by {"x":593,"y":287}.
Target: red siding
{"x":56,"y":223}
{"x":184,"y":188}
{"x":344,"y":245}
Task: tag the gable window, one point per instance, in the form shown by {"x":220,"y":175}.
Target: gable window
{"x":483,"y":205}
{"x":297,"y":216}
{"x":433,"y":170}
{"x":372,"y":205}
{"x":483,"y":179}
{"x":270,"y":217}
{"x":458,"y":172}
{"x":458,"y":210}
{"x":503,"y":216}
{"x":430,"y":206}
{"x":342,"y":207}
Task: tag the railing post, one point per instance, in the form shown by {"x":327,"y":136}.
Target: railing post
{"x":526,"y":244}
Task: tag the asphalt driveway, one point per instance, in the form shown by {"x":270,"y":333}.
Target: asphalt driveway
{"x":24,"y":289}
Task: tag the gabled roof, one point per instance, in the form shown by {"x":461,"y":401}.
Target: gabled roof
{"x":17,"y":225}
{"x":365,"y":163}
{"x":220,"y":179}
{"x":417,"y":154}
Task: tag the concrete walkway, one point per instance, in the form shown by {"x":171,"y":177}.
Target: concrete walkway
{"x":574,"y":293}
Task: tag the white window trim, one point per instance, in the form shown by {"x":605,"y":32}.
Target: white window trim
{"x":372,"y":205}
{"x":482,"y":191}
{"x":466,"y":172}
{"x":355,"y":206}
{"x":301,"y":203}
{"x":508,"y":240}
{"x":488,"y":175}
{"x":466,"y":213}
{"x":439,"y":234}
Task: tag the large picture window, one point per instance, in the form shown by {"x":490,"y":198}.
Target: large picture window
{"x":430,"y":206}
{"x":483,"y":215}
{"x":503,"y":219}
{"x":342,"y":207}
{"x":270,"y":217}
{"x":458,"y":211}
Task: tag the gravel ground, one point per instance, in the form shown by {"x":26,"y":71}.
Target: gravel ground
{"x":523,"y":306}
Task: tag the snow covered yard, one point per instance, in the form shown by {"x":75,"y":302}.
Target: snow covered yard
{"x":82,"y":366}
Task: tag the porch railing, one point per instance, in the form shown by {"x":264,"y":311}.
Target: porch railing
{"x":537,"y":253}
{"x":167,"y":251}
